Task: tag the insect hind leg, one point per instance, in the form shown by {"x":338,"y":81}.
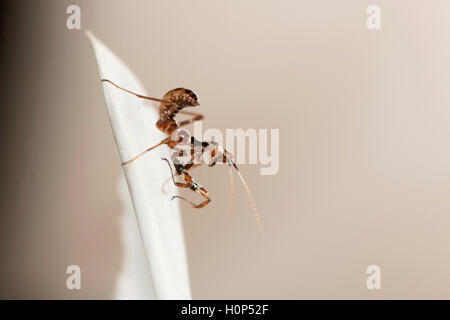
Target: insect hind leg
{"x":190,"y":183}
{"x":193,"y":205}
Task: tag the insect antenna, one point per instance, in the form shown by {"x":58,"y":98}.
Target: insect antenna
{"x":231,"y":200}
{"x":250,"y":197}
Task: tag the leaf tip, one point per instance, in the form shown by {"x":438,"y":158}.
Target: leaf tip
{"x":89,"y":34}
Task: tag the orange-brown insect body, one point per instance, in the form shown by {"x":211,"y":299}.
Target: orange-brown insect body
{"x":171,"y":104}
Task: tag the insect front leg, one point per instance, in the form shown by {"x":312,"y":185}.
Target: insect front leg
{"x":178,"y":184}
{"x":190,"y":183}
{"x":217,"y":154}
{"x":194,"y":186}
{"x":187,"y":168}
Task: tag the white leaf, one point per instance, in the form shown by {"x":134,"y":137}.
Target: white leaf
{"x":159,"y":220}
{"x":134,"y":280}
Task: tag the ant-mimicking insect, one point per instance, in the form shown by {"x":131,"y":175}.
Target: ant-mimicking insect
{"x":171,"y":104}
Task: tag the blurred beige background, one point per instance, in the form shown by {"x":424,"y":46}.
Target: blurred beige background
{"x":364,"y":156}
